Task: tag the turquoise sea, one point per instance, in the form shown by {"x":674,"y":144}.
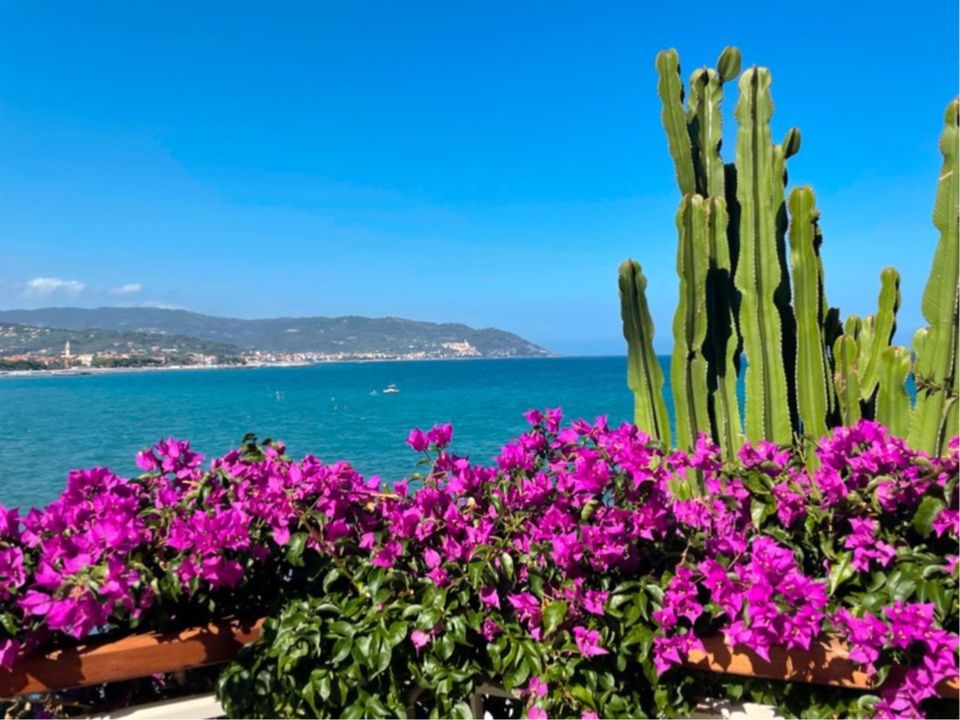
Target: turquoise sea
{"x":49,"y":425}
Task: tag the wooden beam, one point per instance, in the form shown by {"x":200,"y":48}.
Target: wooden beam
{"x":130,"y":657}
{"x":134,"y":656}
{"x":826,"y":663}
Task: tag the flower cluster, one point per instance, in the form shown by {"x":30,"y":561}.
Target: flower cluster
{"x":556,"y":545}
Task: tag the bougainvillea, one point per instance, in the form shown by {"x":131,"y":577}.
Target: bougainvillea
{"x":578,"y":570}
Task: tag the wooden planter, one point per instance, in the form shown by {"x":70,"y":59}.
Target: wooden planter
{"x":135,"y":656}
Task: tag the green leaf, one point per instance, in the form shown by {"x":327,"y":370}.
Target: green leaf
{"x":330,"y":578}
{"x":579,"y":692}
{"x":461,"y":710}
{"x":383,"y":657}
{"x":298,"y":541}
{"x":506,"y":562}
{"x":397,"y":632}
{"x":759,"y":511}
{"x":553,"y":615}
{"x":341,"y":649}
{"x":926,"y":514}
{"x":840,"y":572}
{"x":516,"y":676}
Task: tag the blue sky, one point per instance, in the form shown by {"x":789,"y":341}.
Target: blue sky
{"x":482,"y":162}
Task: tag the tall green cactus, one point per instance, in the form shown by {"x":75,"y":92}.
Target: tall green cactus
{"x":814,"y":383}
{"x":674,"y":119}
{"x":688,"y":368}
{"x":694,"y":140}
{"x":846,"y":352}
{"x":936,"y":368}
{"x":758,"y":268}
{"x":806,"y":367}
{"x":644,"y":375}
{"x":883,"y":327}
{"x":722,"y":349}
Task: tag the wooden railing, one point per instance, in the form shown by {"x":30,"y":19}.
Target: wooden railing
{"x":135,"y":656}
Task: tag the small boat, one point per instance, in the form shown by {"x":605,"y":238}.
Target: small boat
{"x":390,"y":390}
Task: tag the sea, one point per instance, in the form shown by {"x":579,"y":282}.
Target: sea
{"x":336,"y":411}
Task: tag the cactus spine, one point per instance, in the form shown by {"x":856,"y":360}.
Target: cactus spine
{"x":758,"y":269}
{"x":936,"y":368}
{"x":644,"y":375}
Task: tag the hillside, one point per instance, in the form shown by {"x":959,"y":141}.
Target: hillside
{"x":348,"y":335}
{"x":18,"y":339}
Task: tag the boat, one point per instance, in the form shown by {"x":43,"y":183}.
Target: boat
{"x":390,"y":390}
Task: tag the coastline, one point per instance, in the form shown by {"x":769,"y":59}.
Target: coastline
{"x":85,"y":371}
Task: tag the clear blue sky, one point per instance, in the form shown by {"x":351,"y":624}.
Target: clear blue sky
{"x":483,"y":162}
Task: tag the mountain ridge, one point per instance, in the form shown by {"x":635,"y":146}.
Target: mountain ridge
{"x":349,"y":334}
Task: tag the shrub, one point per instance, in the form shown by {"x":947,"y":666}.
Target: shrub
{"x":578,"y":570}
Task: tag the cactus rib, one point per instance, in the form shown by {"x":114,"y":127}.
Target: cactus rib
{"x":936,"y":367}
{"x":758,"y":271}
{"x":813,"y":389}
{"x":688,"y":367}
{"x":644,"y":375}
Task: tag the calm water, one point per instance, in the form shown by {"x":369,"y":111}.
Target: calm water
{"x":49,"y":425}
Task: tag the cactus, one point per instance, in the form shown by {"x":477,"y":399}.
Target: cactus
{"x":722,"y":349}
{"x":852,"y":325}
{"x":814,"y":384}
{"x":688,"y":368}
{"x":674,"y":119}
{"x":882,"y":328}
{"x":936,"y":367}
{"x":893,"y":402}
{"x":758,"y":269}
{"x":644,"y":375}
{"x":846,"y":352}
{"x":806,"y":368}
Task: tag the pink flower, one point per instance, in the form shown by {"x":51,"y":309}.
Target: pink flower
{"x":419,"y":639}
{"x":417,"y":439}
{"x":8,"y":653}
{"x":537,"y":713}
{"x":441,"y":435}
{"x":388,"y":555}
{"x":490,"y":629}
{"x":536,"y":687}
{"x":490,"y":598}
{"x":533,"y":416}
{"x":588,"y":641}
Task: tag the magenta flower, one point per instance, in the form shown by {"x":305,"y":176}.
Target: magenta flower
{"x":419,"y":639}
{"x":490,"y":598}
{"x":441,"y":435}
{"x":8,"y":653}
{"x":536,"y":687}
{"x":417,"y":439}
{"x":533,"y":416}
{"x":490,"y":629}
{"x":588,"y":642}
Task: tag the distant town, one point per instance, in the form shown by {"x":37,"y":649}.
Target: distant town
{"x":99,"y":339}
{"x":172,"y":357}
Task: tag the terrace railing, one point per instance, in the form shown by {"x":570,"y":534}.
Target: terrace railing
{"x":135,"y":656}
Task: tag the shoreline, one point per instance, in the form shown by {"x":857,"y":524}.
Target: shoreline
{"x":86,"y":371}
